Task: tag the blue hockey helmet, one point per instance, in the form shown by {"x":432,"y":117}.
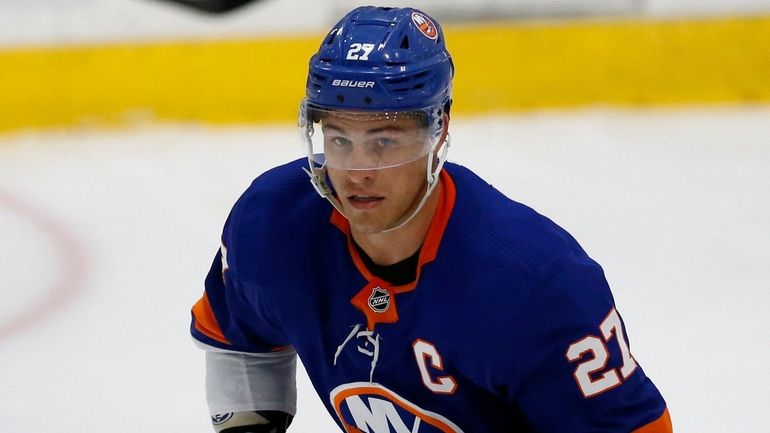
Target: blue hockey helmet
{"x":381,"y":59}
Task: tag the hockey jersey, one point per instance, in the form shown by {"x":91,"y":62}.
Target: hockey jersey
{"x":508,"y":327}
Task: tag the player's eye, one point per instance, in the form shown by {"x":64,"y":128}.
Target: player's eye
{"x":386,"y":142}
{"x":341,"y":141}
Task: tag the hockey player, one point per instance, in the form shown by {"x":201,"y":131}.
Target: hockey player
{"x":419,"y":298}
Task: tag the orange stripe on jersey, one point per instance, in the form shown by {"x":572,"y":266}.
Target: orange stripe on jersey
{"x":206,"y":321}
{"x":660,"y":425}
{"x":440,"y":220}
{"x":280,"y":348}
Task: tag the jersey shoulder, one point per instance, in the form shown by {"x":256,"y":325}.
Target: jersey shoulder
{"x":503,"y":232}
{"x":274,"y":227}
{"x":531,"y":271}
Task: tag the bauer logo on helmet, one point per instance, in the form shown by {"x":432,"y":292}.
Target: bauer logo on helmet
{"x":353,"y":83}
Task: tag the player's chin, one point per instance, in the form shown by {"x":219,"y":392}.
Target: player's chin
{"x":366,"y":223}
{"x":367,"y":228}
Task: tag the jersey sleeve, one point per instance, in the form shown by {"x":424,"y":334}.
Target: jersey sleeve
{"x":226,"y":318}
{"x":233,"y":314}
{"x":580,"y":374}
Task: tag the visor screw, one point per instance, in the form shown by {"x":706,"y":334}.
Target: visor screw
{"x":340,"y":98}
{"x":368,"y":99}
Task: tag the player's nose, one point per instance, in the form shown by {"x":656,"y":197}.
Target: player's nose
{"x":362,"y":158}
{"x":361,"y":175}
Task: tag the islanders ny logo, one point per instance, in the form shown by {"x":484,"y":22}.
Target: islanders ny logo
{"x":365,"y":407}
{"x":425,"y":25}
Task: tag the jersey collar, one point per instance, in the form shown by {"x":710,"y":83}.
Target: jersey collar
{"x":432,"y":239}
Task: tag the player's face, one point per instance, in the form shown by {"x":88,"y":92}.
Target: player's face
{"x":380,"y":198}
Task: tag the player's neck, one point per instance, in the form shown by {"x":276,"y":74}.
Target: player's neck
{"x":386,"y":248}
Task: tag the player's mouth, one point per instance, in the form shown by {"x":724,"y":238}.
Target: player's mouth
{"x":365,"y":201}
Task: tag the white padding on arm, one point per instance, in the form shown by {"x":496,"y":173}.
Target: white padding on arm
{"x":238,"y":382}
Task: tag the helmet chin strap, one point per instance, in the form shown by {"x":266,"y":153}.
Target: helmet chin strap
{"x":318,"y":178}
{"x":318,"y":175}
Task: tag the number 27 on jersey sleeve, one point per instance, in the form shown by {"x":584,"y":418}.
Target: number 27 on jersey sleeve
{"x":591,"y":374}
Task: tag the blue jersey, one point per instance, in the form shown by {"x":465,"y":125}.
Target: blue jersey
{"x":509,"y":326}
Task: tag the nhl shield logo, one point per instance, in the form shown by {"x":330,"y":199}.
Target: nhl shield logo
{"x":379,"y":300}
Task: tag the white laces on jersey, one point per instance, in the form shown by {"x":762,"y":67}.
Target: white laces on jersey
{"x":371,"y":338}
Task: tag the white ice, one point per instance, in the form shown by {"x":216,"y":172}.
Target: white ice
{"x":107,"y":235}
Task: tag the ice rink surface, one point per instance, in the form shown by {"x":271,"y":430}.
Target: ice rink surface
{"x":108,"y":234}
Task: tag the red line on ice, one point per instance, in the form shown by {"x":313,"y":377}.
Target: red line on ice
{"x":72,"y":263}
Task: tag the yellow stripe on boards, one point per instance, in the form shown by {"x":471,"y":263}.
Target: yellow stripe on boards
{"x":500,"y":67}
{"x":626,"y":63}
{"x":213,"y":81}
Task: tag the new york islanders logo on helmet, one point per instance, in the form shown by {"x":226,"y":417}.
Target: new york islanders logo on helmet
{"x":425,"y":25}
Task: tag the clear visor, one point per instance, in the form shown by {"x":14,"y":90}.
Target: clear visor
{"x":360,"y":140}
